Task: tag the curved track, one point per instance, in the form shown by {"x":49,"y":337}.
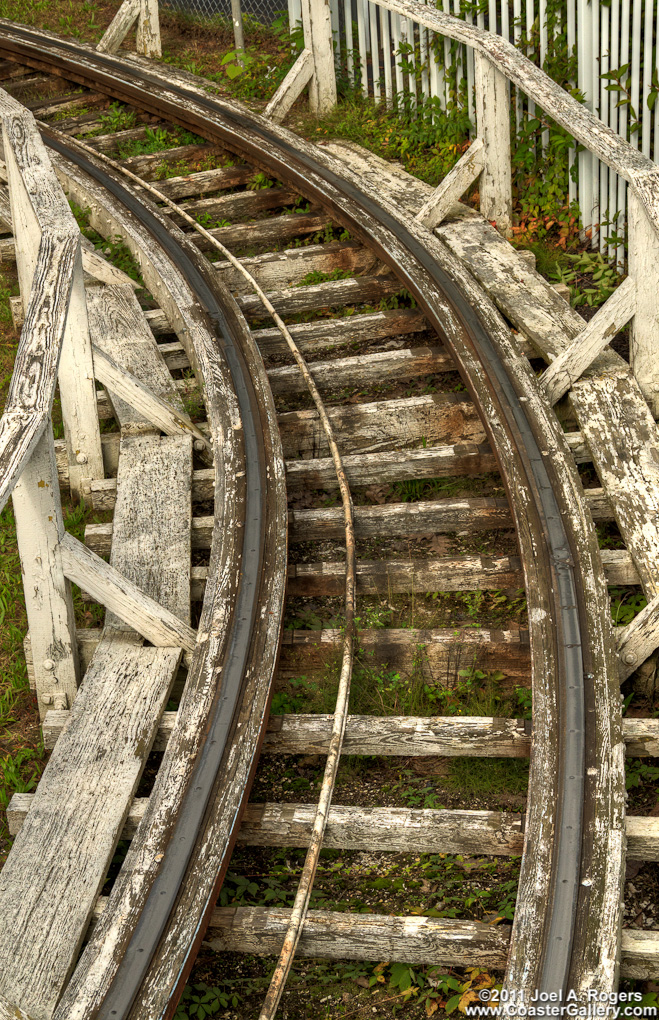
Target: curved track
{"x":571,"y":650}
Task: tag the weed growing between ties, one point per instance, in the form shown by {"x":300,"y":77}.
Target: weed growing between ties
{"x":422,"y":885}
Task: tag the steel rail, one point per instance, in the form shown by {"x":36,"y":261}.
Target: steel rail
{"x":401,"y":246}
{"x":164,"y":891}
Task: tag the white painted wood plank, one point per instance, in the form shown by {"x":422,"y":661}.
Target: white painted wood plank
{"x":454,"y":185}
{"x":639,"y":639}
{"x":140,"y":397}
{"x":59,"y":860}
{"x":643,"y":260}
{"x":493,"y":124}
{"x":107,"y":586}
{"x":152,"y":521}
{"x":119,"y":329}
{"x":595,"y":337}
{"x":401,"y":736}
{"x":292,"y":86}
{"x":148,"y":29}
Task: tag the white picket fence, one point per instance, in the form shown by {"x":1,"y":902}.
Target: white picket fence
{"x":604,"y":38}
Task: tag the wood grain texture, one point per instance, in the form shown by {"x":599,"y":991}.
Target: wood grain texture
{"x":118,"y":328}
{"x":152,"y":521}
{"x":595,"y":337}
{"x":453,"y":186}
{"x":58,"y":862}
{"x":119,"y":27}
{"x":292,"y":86}
{"x":123,"y":598}
{"x":148,"y":29}
{"x":333,"y":935}
{"x":493,"y":126}
{"x":397,"y":736}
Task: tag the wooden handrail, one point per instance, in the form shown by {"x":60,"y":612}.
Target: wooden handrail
{"x":33,"y":382}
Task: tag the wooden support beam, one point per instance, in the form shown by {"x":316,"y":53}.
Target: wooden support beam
{"x":493,"y":124}
{"x":292,"y":86}
{"x":454,"y":185}
{"x":318,"y":38}
{"x":639,"y":639}
{"x":148,"y":29}
{"x":130,"y":389}
{"x":398,"y":736}
{"x":596,"y":336}
{"x":393,"y":830}
{"x":109,"y":587}
{"x":120,"y":26}
{"x":333,"y":935}
{"x":10,"y":1012}
{"x":643,"y":253}
{"x":28,"y":169}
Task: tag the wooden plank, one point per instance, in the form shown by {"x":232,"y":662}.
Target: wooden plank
{"x":148,"y":405}
{"x":330,"y":334}
{"x":119,"y":27}
{"x":414,"y":940}
{"x":10,"y":1012}
{"x":292,"y":87}
{"x":109,"y":587}
{"x":398,"y":736}
{"x":437,"y":516}
{"x":148,"y":29}
{"x":453,"y":187}
{"x":595,"y":337}
{"x":392,"y":830}
{"x":368,"y":369}
{"x":317,"y":27}
{"x":58,"y":862}
{"x":147,"y":162}
{"x":379,"y":468}
{"x":330,"y":294}
{"x":28,"y":169}
{"x":639,"y":639}
{"x":438,"y":940}
{"x":432,"y":419}
{"x":204,"y":181}
{"x":640,"y":954}
{"x":623,"y":437}
{"x":152,"y":519}
{"x":266,"y":233}
{"x":119,"y":329}
{"x":276,"y":269}
{"x":468,"y":573}
{"x":643,"y":253}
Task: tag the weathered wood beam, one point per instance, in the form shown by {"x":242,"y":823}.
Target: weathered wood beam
{"x":10,"y":1012}
{"x":120,"y":26}
{"x":596,"y":336}
{"x":398,"y":736}
{"x":148,"y":29}
{"x":454,"y":185}
{"x":122,"y":597}
{"x":129,"y":388}
{"x":318,"y":38}
{"x":395,"y":830}
{"x":643,"y":255}
{"x":493,"y":125}
{"x":333,"y":935}
{"x":292,"y":87}
{"x":639,"y":639}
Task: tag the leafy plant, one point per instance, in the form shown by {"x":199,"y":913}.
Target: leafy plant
{"x":625,"y":605}
{"x":199,"y":1001}
{"x":589,"y":268}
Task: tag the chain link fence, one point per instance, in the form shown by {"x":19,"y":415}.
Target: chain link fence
{"x":265,"y":11}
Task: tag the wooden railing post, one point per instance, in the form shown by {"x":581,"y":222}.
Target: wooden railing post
{"x":643,"y":253}
{"x":493,"y":127}
{"x":148,"y":29}
{"x":145,"y":13}
{"x":76,"y":369}
{"x":37,"y":198}
{"x":318,"y":38}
